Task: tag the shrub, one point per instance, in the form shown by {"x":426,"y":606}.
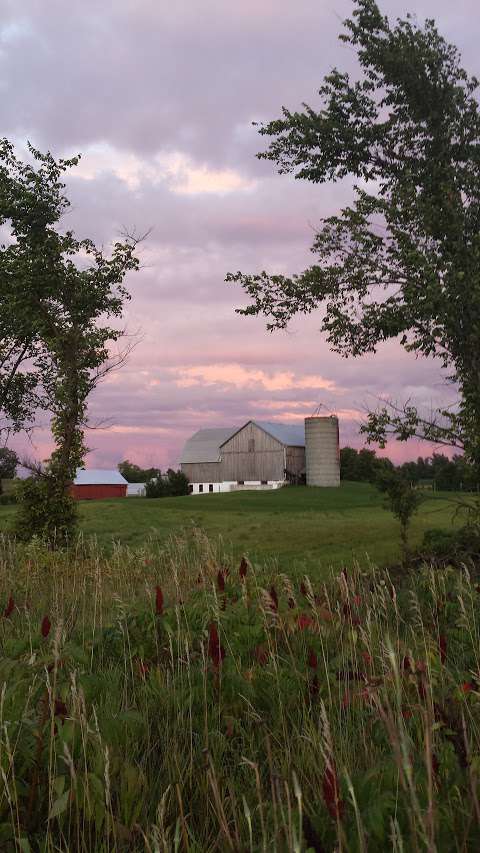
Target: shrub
{"x":170,"y":485}
{"x":44,"y":512}
{"x":454,"y":545}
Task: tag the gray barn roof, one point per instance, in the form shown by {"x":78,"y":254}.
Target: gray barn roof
{"x":292,"y":435}
{"x":204,"y":445}
{"x":98,"y":477}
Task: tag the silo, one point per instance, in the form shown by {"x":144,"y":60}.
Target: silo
{"x":322,"y":454}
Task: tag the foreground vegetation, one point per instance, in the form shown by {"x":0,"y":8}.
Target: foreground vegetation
{"x":176,"y":700}
{"x":301,"y":529}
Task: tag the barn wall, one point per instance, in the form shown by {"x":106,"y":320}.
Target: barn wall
{"x":264,"y":462}
{"x":203,"y":472}
{"x":295,"y":460}
{"x":98,"y":492}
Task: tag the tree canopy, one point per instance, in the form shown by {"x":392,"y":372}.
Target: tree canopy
{"x":402,"y":261}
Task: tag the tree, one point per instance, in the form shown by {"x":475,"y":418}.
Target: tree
{"x":8,"y":465}
{"x":401,"y":499}
{"x":57,"y":296}
{"x":402,"y":261}
{"x":134,"y":474}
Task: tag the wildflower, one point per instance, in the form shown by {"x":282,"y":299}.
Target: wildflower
{"x":215,"y":649}
{"x":406,"y":714}
{"x":304,"y":621}
{"x":243,"y":568}
{"x":312,"y":659}
{"x":274,"y":598}
{"x":331,"y":791}
{"x":467,"y":687}
{"x":442,"y":645}
{"x":158,"y":601}
{"x":220,"y":581}
{"x":9,"y":608}
{"x":367,"y":657}
{"x":45,"y":627}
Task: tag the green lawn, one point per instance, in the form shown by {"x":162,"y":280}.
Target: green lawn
{"x":300,"y":528}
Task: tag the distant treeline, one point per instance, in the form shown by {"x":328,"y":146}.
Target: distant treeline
{"x":436,"y":471}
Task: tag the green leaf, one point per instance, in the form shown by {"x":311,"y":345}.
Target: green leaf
{"x":59,"y":806}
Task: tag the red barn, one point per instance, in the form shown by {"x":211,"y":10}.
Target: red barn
{"x":93,"y":484}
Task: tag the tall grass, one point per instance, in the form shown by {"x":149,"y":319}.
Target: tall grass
{"x":170,"y":699}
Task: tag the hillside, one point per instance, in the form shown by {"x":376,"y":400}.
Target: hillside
{"x":300,"y":528}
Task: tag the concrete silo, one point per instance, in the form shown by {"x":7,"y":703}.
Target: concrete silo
{"x":322,"y":452}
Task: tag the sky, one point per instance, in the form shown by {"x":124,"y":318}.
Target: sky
{"x":159,"y":98}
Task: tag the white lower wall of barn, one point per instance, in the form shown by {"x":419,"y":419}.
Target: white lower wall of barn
{"x":233,"y":486}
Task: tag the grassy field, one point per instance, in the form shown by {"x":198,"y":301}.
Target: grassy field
{"x":179,"y":701}
{"x":301,"y":529}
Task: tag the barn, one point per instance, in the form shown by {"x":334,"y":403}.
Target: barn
{"x":257,"y":455}
{"x":95,"y":483}
{"x":263,"y":455}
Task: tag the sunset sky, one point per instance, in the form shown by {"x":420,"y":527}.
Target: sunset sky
{"x":159,"y":97}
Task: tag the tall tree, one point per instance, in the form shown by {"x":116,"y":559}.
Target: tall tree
{"x":57,"y":296}
{"x":402,"y":261}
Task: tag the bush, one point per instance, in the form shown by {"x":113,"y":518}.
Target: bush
{"x":170,"y":485}
{"x":456,"y":545}
{"x":44,"y":512}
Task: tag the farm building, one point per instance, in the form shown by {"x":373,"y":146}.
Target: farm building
{"x":262,"y":455}
{"x":94,"y":484}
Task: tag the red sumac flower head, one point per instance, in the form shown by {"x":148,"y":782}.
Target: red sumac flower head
{"x":331,"y":791}
{"x":274,"y":598}
{"x":215,"y":649}
{"x":220,"y":581}
{"x":467,"y":687}
{"x":304,"y":621}
{"x":243,"y":568}
{"x":312,"y":659}
{"x":407,"y":664}
{"x":45,"y":627}
{"x":9,"y":608}
{"x":158,"y":601}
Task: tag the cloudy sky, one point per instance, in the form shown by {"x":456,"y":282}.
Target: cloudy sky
{"x":159,"y":97}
